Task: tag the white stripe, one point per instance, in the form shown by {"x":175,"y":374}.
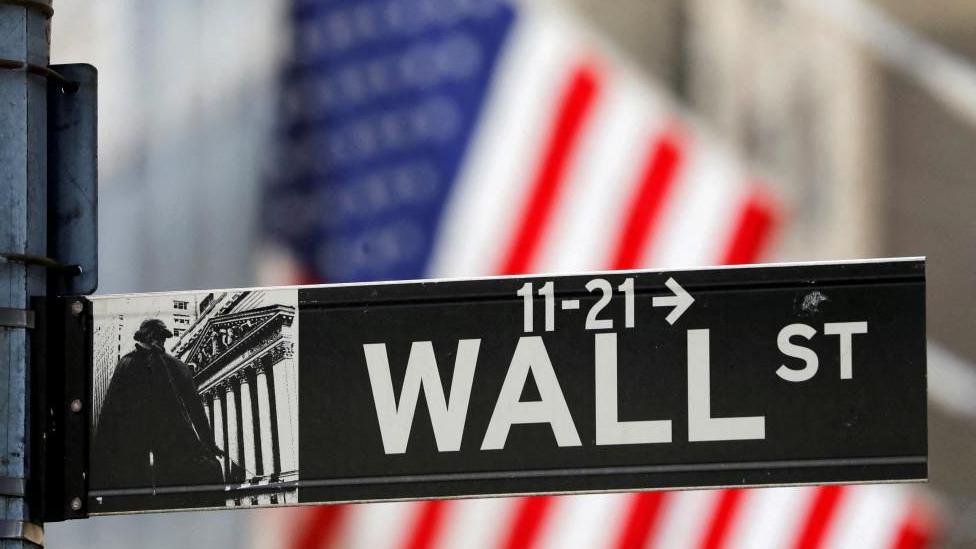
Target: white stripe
{"x":952,"y":381}
{"x":377,"y":525}
{"x":602,"y":177}
{"x":685,"y":516}
{"x":497,"y":169}
{"x":583,"y":521}
{"x":697,"y":221}
{"x":476,"y":523}
{"x":869,"y":517}
{"x":276,"y":264}
{"x":770,"y":518}
{"x":276,"y":527}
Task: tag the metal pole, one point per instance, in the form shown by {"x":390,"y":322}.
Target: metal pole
{"x":23,"y":229}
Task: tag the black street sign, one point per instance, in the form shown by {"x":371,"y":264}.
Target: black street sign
{"x":631,"y":380}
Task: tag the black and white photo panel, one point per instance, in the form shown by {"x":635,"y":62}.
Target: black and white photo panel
{"x":194,"y":400}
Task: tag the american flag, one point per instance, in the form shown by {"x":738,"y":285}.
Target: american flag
{"x":446,"y":138}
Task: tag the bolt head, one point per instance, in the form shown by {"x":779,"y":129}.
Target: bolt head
{"x":77,"y":308}
{"x":76,"y":504}
{"x":76,"y":405}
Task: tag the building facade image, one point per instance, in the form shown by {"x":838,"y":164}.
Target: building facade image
{"x":241,"y":350}
{"x":240,"y":346}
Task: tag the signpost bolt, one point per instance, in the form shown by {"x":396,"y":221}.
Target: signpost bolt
{"x":76,"y":504}
{"x":77,"y":308}
{"x":76,"y":405}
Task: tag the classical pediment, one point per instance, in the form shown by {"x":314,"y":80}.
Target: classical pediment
{"x":226,"y":336}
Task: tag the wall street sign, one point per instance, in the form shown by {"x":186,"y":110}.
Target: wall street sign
{"x":631,"y":380}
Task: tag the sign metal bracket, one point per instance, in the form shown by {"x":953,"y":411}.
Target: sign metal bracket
{"x":72,"y":217}
{"x":61,"y":351}
{"x":73,"y":178}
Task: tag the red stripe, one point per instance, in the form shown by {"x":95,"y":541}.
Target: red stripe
{"x":643,"y":517}
{"x":917,"y":531}
{"x":430,"y":518}
{"x":729,"y":502}
{"x":303,"y":276}
{"x":320,"y":527}
{"x":752,"y":230}
{"x":657,"y":178}
{"x":530,"y":514}
{"x":577,"y":101}
{"x":820,"y":517}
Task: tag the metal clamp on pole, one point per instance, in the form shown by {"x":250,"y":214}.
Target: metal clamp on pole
{"x":39,"y":5}
{"x":13,"y":487}
{"x":16,"y":318}
{"x":69,"y":86}
{"x":41,"y":261}
{"x":27,"y":531}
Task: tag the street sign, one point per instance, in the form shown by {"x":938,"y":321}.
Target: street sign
{"x":630,"y":380}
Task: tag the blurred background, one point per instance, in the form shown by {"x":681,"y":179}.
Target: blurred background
{"x":249,"y":142}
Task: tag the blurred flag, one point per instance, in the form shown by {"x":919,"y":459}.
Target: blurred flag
{"x":862,"y":517}
{"x":467,"y":137}
{"x":441,"y":138}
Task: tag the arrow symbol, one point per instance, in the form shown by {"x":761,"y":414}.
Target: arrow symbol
{"x":681,"y":300}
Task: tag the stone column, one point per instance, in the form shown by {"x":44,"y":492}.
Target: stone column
{"x":218,"y":425}
{"x":247,"y":425}
{"x":233,"y":449}
{"x":286,"y":405}
{"x":264,"y":420}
